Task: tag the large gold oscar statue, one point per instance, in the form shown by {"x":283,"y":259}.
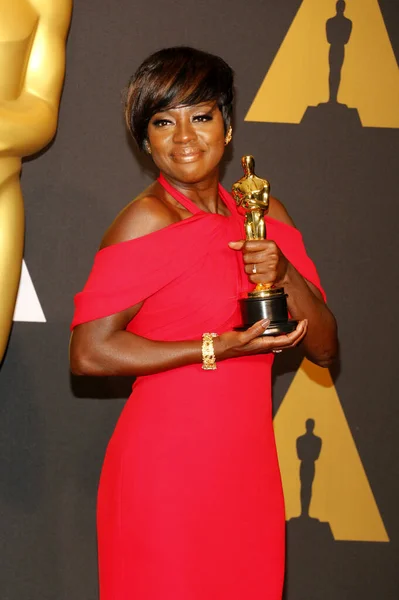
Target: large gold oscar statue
{"x":32,"y":66}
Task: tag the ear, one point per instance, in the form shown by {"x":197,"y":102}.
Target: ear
{"x":147,"y":147}
{"x":229,"y":135}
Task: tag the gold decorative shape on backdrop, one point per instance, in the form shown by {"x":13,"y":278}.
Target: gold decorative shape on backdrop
{"x":299,"y":74}
{"x":340,"y":494}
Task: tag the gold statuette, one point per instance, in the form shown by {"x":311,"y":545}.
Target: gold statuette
{"x":252,"y":194}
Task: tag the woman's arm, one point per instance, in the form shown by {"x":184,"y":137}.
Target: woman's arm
{"x":103,"y":347}
{"x":305,"y":301}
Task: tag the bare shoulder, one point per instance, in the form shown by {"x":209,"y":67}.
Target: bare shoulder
{"x":278,"y":211}
{"x":145,"y":214}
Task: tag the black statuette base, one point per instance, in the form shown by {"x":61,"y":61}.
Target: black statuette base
{"x":273,"y":307}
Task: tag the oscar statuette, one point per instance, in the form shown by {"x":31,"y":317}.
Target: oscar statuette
{"x":32,"y":67}
{"x":251,"y":194}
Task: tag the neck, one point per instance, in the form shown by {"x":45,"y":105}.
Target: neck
{"x":9,"y":165}
{"x":205,"y":193}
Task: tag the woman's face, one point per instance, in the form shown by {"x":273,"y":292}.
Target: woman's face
{"x":187,"y":142}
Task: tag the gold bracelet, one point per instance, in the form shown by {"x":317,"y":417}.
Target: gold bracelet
{"x":208,"y":352}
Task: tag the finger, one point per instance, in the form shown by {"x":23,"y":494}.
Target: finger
{"x":259,"y":245}
{"x":289,"y":339}
{"x":254,"y":268}
{"x":256,"y":257}
{"x":292,"y":339}
{"x":238,"y":245}
{"x":293,"y":344}
{"x":254,"y":331}
{"x":269,"y":268}
{"x":300,"y":338}
{"x":295,"y":336}
{"x":268,"y":279}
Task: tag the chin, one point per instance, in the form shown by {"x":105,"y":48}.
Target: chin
{"x":194,"y":177}
{"x":191,"y":172}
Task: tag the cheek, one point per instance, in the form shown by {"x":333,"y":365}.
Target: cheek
{"x":158,"y":139}
{"x":220,"y":147}
{"x":159,"y":153}
{"x":215,"y":140}
{"x":215,"y":136}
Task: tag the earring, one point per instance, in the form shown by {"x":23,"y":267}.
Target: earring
{"x":147,"y":147}
{"x":229,"y":135}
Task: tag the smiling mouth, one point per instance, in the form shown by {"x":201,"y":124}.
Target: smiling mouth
{"x":186,"y":155}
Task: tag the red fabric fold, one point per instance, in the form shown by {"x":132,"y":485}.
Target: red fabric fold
{"x":187,"y":265}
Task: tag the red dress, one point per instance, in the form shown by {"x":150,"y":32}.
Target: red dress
{"x":190,"y":503}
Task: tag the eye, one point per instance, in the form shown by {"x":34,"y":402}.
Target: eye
{"x":202,"y":118}
{"x":161,"y":122}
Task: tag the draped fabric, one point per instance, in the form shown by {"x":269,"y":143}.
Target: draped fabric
{"x":190,"y":503}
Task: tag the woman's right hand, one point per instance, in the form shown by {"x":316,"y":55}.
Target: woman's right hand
{"x":233,"y":344}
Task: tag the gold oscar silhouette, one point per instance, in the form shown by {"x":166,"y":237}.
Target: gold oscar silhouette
{"x":251,"y":194}
{"x":32,"y":66}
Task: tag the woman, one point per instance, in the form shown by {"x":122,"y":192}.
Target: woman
{"x":190,"y":503}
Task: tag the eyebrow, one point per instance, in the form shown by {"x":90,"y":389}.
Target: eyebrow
{"x":211,"y":104}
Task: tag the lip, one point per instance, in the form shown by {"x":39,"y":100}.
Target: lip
{"x":186,"y":155}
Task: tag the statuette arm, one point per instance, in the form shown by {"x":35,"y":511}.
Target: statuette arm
{"x":28,"y":122}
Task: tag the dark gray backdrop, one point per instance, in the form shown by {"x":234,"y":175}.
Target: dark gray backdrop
{"x":340,"y":187}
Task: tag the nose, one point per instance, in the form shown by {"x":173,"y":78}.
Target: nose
{"x":184,"y":131}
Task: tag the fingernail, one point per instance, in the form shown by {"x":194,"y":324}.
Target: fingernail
{"x":265,"y":323}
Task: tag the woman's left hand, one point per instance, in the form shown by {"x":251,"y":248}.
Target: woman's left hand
{"x":263,"y":261}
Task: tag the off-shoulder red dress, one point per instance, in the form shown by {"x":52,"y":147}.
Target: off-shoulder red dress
{"x":190,"y":503}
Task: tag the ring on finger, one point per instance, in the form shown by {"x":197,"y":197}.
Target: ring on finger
{"x":277,"y":351}
{"x":254,"y":268}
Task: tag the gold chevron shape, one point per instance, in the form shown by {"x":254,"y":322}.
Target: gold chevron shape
{"x":298,"y":76}
{"x":341,"y":493}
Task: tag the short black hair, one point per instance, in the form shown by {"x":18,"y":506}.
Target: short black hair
{"x":178,"y":76}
